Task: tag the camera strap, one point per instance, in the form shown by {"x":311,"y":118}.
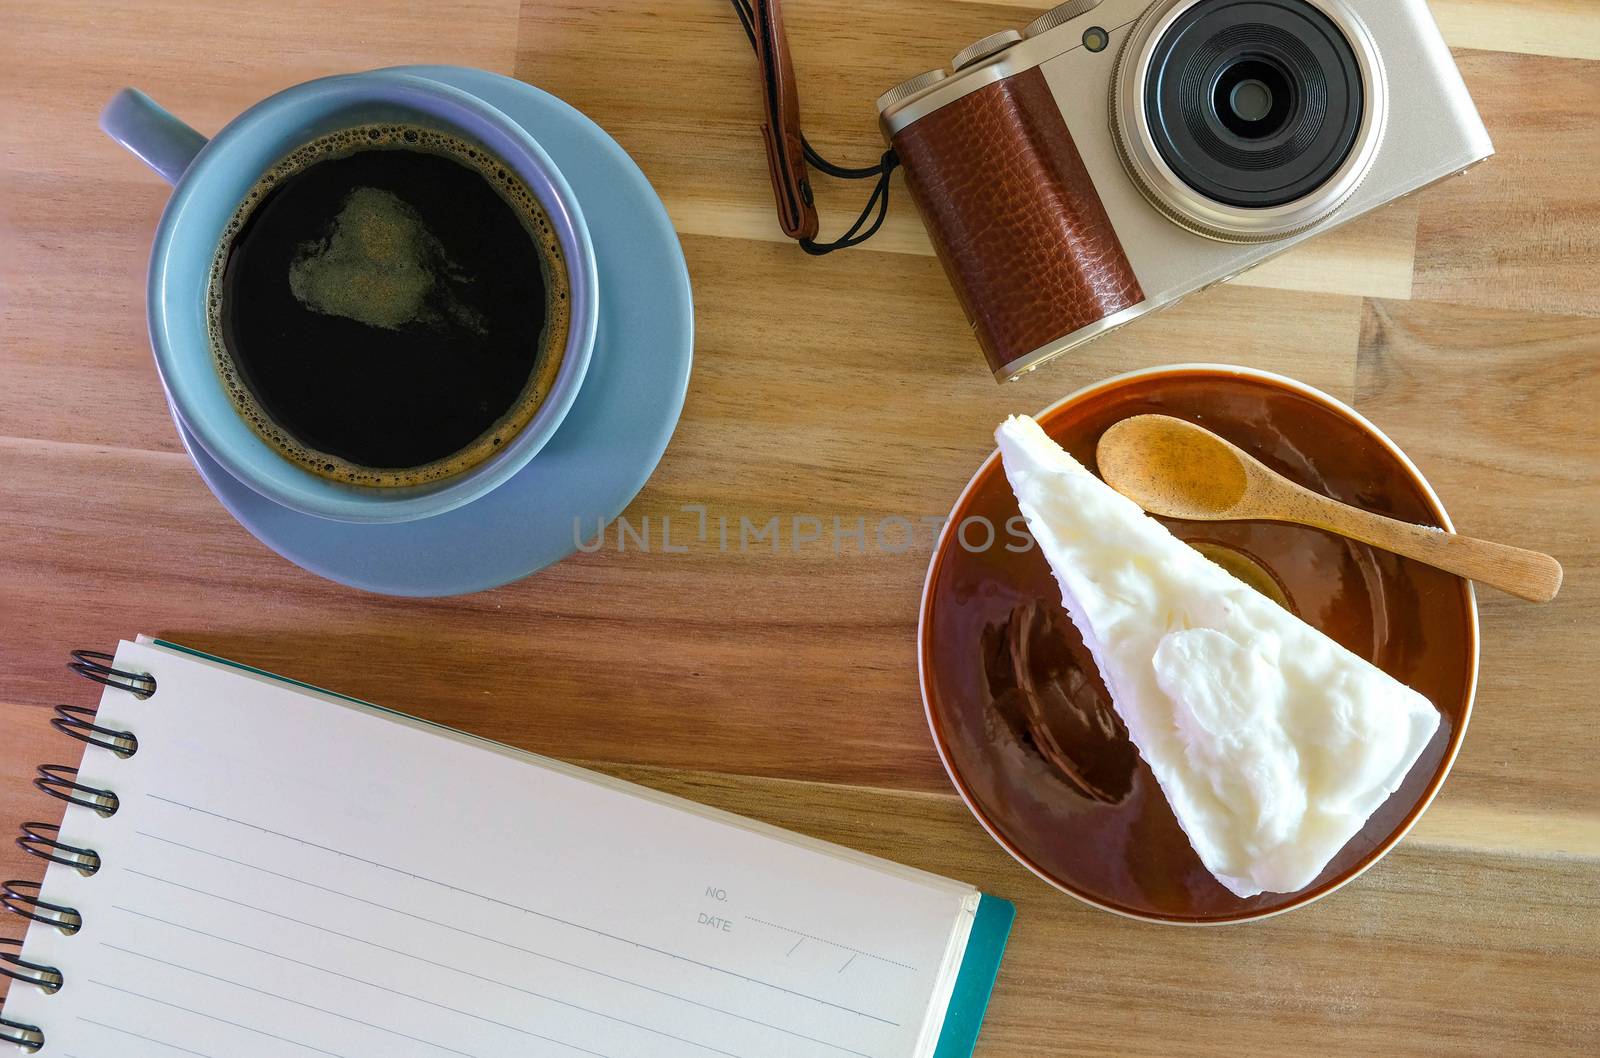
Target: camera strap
{"x":788,"y":151}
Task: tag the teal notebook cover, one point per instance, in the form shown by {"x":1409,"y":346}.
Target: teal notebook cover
{"x":975,"y":980}
{"x":991,"y":926}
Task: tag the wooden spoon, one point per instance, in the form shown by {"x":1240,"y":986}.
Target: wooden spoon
{"x":1179,"y":470}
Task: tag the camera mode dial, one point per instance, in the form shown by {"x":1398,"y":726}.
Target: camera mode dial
{"x":1057,"y":15}
{"x":978,"y":50}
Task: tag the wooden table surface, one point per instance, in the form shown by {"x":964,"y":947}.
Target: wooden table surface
{"x":1465,"y":321}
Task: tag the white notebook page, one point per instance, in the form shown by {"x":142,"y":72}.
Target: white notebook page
{"x":292,"y":874}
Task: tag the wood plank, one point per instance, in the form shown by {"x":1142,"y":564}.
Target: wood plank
{"x":1370,"y":256}
{"x":1522,"y":230}
{"x":1536,"y":27}
{"x":1457,"y":824}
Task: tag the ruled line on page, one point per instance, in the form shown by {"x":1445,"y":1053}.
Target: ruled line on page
{"x":369,"y":1024}
{"x":481,"y":896}
{"x":142,"y":1036}
{"x":214,"y":1017}
{"x":457,"y":969}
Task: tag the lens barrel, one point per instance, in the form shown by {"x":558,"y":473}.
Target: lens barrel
{"x":1247,"y":120}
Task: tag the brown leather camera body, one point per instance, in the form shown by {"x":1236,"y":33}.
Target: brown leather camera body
{"x":1015,"y":218}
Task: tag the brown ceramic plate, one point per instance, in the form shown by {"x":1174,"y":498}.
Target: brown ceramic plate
{"x":1025,"y":726}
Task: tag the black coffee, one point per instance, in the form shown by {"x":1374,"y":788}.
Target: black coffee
{"x":389,"y":306}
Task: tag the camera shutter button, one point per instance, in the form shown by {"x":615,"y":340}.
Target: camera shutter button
{"x":979,"y":50}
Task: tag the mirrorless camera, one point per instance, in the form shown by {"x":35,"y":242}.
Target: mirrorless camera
{"x":1115,"y":155}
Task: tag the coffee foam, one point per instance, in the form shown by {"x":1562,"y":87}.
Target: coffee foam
{"x":553,"y":339}
{"x":380,"y":266}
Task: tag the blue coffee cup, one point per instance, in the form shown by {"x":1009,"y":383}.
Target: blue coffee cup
{"x":211,"y":179}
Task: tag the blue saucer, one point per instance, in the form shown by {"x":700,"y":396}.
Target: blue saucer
{"x":609,"y":442}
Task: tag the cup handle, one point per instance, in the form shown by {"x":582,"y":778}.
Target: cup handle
{"x":147,"y":129}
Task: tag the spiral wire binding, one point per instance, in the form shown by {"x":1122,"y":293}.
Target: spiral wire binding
{"x":22,"y":898}
{"x":14,"y":966}
{"x":34,"y":842}
{"x":75,"y":721}
{"x":43,"y":840}
{"x":61,"y":782}
{"x":28,"y":1037}
{"x":96,"y":665}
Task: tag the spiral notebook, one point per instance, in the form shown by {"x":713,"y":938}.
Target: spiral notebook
{"x":252,"y":867}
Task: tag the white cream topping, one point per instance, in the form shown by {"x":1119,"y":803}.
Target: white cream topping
{"x":1272,"y":743}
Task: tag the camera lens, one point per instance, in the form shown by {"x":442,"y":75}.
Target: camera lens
{"x":1250,"y":105}
{"x":1254,"y":102}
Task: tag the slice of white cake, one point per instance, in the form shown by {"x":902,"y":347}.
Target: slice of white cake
{"x":1272,"y":743}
